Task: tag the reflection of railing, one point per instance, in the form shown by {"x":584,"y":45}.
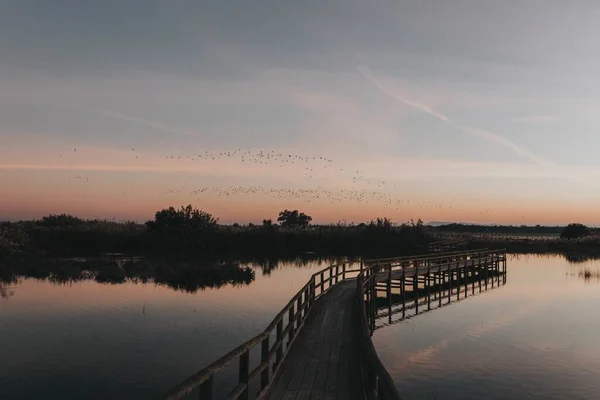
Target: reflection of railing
{"x":440,"y":296}
{"x":425,"y":274}
{"x":297,"y":309}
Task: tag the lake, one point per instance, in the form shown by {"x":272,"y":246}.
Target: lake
{"x":535,"y":336}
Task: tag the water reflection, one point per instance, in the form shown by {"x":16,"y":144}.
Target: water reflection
{"x":86,"y":340}
{"x":534,"y":337}
{"x":187,"y":276}
{"x":390,"y":310}
{"x":7,"y":289}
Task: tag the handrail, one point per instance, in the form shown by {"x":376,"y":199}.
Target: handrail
{"x":375,"y":376}
{"x":379,"y":383}
{"x":430,"y":257}
{"x":297,"y":310}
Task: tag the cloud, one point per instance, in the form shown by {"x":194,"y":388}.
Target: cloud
{"x":143,"y":121}
{"x":536,"y":119}
{"x":481,"y":133}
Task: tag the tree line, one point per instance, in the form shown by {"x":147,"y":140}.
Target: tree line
{"x":191,"y":232}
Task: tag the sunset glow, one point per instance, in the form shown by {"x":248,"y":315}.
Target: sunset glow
{"x":344,"y":128}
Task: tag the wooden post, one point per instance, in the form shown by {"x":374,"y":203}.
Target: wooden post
{"x":428,"y":287}
{"x":330,"y":277}
{"x":244,"y":370}
{"x":472,"y":277}
{"x":312,"y":292}
{"x":299,"y":310}
{"x":403,"y":289}
{"x":458,"y":280}
{"x":322,"y":282}
{"x":466,"y":277}
{"x":439,"y":288}
{"x":264,"y":358}
{"x":279,"y":338}
{"x":389,"y":293}
{"x":343,"y":271}
{"x":374,"y":308}
{"x":449,"y":275}
{"x":486,"y":272}
{"x":497,"y":258}
{"x":291,"y":323}
{"x":416,"y":289}
{"x":337,"y":274}
{"x":207,"y":388}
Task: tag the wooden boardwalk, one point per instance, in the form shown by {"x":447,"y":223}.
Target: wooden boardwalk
{"x":323,"y":362}
{"x":319,"y":346}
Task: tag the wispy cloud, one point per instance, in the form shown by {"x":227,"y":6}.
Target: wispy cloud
{"x":142,"y":121}
{"x":481,"y":133}
{"x":536,"y":119}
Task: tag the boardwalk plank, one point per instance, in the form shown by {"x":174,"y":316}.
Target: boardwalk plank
{"x":316,"y":364}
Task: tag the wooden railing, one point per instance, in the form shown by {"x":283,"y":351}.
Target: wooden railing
{"x":377,"y":381}
{"x":285,"y":326}
{"x":445,"y":244}
{"x":428,"y":258}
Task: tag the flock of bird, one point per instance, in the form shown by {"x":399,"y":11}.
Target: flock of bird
{"x":378,"y":191}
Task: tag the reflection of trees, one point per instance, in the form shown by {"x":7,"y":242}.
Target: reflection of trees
{"x":268,"y":265}
{"x":574,"y":257}
{"x":179,"y":275}
{"x":6,"y":290}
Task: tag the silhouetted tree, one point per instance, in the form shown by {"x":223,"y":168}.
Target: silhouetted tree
{"x":61,"y":220}
{"x":574,"y":231}
{"x":12,"y":238}
{"x":382,"y":224}
{"x":293,"y":219}
{"x":186,"y":218}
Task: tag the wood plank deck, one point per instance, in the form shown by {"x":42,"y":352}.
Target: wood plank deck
{"x":324,"y":362}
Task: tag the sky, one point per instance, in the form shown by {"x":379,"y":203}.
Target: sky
{"x":475,"y":111}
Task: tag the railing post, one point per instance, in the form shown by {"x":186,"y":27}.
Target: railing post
{"x":312,"y":290}
{"x":244,"y":370}
{"x":389,"y":293}
{"x":207,"y":389}
{"x":472,"y":277}
{"x":485,"y":264}
{"x":279,"y":338}
{"x":299,"y":310}
{"x":291,"y":324}
{"x":264,"y":358}
{"x":306,"y":305}
{"x":343,"y":271}
{"x":428,"y":286}
{"x":416,"y":288}
{"x":440,"y":286}
{"x":458,"y":280}
{"x":337,"y":274}
{"x":322,"y":282}
{"x":330,"y":277}
{"x":449,"y":276}
{"x":403,"y":290}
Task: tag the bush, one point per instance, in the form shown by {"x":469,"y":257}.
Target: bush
{"x":575,"y":231}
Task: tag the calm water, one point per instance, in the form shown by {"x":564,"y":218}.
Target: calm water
{"x":536,"y":336}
